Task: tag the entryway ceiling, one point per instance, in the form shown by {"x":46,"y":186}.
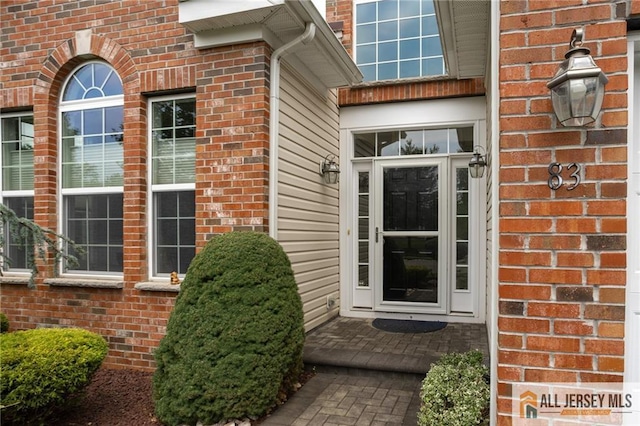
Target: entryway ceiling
{"x":464,"y":28}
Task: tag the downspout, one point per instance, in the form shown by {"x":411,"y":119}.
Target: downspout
{"x":274,"y":122}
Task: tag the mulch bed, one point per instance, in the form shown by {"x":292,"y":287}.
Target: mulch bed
{"x":113,"y":398}
{"x":118,"y":398}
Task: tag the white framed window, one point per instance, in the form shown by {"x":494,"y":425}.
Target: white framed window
{"x":17,"y":182}
{"x":396,"y":39}
{"x":91,"y":160}
{"x":172,"y":177}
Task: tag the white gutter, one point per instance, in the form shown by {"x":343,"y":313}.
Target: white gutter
{"x":274,"y":121}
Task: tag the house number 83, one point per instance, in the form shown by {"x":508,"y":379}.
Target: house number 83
{"x":555,"y":176}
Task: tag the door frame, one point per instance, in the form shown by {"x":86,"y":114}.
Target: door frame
{"x":632,"y":323}
{"x":451,"y":112}
{"x":379,"y":164}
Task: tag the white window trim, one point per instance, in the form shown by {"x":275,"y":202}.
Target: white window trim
{"x":13,"y":193}
{"x":153,"y":188}
{"x":66,"y":106}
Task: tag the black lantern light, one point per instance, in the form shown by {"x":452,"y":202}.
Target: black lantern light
{"x":477,"y":163}
{"x":329,"y":169}
{"x":577,"y":89}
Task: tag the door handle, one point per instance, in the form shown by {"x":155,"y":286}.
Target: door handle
{"x":377,"y":232}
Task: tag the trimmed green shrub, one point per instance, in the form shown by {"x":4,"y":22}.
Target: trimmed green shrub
{"x":234,"y":339}
{"x":4,"y":323}
{"x":454,"y":392}
{"x":39,"y":368}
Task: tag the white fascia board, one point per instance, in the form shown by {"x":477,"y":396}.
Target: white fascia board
{"x":232,"y":35}
{"x":198,"y":10}
{"x":327,"y":38}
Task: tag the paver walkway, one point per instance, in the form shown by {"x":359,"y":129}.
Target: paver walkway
{"x":368,"y":377}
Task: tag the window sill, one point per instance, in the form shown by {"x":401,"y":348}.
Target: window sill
{"x":15,"y":280}
{"x":157,"y":286}
{"x":78,"y":282}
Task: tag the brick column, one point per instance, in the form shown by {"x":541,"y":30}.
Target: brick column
{"x":562,"y":253}
{"x":232,"y":152}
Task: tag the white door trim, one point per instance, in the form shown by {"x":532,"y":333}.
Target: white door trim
{"x":632,"y":323}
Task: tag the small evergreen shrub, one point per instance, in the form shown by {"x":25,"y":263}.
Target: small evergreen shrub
{"x":234,"y":339}
{"x":4,"y":323}
{"x":39,"y":368}
{"x":454,"y":392}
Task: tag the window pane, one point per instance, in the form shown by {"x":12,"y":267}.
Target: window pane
{"x":173,"y":148}
{"x":71,"y":122}
{"x":410,"y":28}
{"x":433,"y":66}
{"x":411,"y":143}
{"x":461,"y":139}
{"x":409,"y":8}
{"x":462,"y":228}
{"x":366,"y":33}
{"x":429,"y":25}
{"x":369,"y":72}
{"x":167,"y":232}
{"x":366,"y":54}
{"x":387,"y":9}
{"x":462,"y":278}
{"x":163,"y":114}
{"x":94,"y":80}
{"x":113,"y":86}
{"x":388,"y":71}
{"x":388,"y":31}
{"x":174,"y":231}
{"x":17,"y":249}
{"x":436,"y":141}
{"x":388,"y":144}
{"x":428,"y":7}
{"x":92,"y":222}
{"x":366,"y":12}
{"x":410,"y":49}
{"x":388,"y":51}
{"x":431,"y":46}
{"x":17,"y":153}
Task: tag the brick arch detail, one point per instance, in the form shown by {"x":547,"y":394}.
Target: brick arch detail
{"x":46,"y":95}
{"x":66,"y":57}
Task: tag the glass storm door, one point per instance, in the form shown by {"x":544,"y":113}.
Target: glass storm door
{"x":409,"y":235}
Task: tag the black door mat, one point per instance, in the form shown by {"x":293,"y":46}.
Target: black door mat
{"x":407,"y":326}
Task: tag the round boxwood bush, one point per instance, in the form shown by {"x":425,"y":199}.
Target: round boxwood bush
{"x":455,"y":392}
{"x":234,"y":339}
{"x":39,"y":368}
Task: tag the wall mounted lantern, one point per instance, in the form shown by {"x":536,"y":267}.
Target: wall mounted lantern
{"x":477,"y":163}
{"x":329,"y":169}
{"x":577,"y":89}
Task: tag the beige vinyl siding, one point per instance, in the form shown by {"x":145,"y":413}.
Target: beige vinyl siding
{"x":308,"y":208}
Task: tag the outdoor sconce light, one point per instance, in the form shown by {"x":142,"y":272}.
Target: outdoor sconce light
{"x":329,"y":169}
{"x":477,"y":163}
{"x":577,"y":89}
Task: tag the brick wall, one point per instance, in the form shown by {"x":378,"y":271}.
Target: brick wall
{"x":41,"y":44}
{"x":342,"y":11}
{"x":562,"y":253}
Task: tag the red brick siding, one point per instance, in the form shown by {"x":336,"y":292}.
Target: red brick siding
{"x":153,"y":54}
{"x":561,"y":262}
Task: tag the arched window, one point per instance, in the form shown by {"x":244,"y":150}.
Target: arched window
{"x":91,"y":163}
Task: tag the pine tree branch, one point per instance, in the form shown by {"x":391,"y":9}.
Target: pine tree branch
{"x":38,"y":241}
